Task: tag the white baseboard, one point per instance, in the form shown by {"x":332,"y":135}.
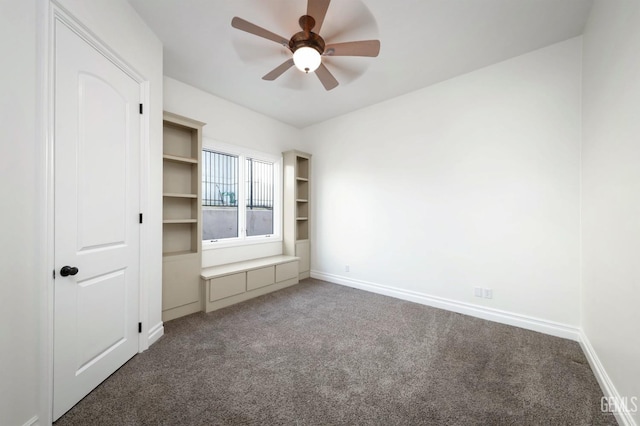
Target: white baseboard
{"x":156,"y":332}
{"x":608,"y":389}
{"x":496,"y":315}
{"x":33,"y":421}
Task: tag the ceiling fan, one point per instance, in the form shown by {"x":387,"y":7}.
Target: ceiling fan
{"x":308,"y":47}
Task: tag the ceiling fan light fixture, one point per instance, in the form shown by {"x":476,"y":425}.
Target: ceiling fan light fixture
{"x":308,"y":47}
{"x":307,"y":59}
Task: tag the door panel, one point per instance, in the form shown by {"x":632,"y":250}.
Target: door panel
{"x":103,"y":111}
{"x":101,"y":316}
{"x":96,"y":207}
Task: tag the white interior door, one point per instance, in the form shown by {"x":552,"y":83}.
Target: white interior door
{"x":96,"y":150}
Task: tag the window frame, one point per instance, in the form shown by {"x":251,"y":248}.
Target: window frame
{"x":243,"y":153}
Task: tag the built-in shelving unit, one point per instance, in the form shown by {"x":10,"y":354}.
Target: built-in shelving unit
{"x":297,"y":174}
{"x":181,"y":216}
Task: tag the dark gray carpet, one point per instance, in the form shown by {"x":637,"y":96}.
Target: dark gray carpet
{"x":319,"y":353}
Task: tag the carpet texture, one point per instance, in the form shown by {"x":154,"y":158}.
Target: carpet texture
{"x":319,"y":353}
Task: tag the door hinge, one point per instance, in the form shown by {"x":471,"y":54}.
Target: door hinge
{"x":54,"y":274}
{"x":140,"y":108}
{"x":139,"y":327}
{"x":140,"y":217}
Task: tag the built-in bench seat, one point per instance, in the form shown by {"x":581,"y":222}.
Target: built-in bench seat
{"x":231,"y":283}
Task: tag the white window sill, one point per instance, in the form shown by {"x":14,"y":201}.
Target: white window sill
{"x":209,"y":245}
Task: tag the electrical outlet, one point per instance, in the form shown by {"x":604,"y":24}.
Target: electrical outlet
{"x":477,"y":291}
{"x":488,"y":293}
{"x":346,"y":268}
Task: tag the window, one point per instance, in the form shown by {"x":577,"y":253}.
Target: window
{"x":240,"y":196}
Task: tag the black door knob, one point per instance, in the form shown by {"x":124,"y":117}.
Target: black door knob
{"x":68,"y":270}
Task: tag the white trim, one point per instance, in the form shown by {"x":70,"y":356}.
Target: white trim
{"x":61,"y":14}
{"x":46,"y":161}
{"x":504,"y":317}
{"x":32,"y":421}
{"x":606,"y":385}
{"x":155,"y":333}
{"x":239,"y":242}
{"x":145,"y":231}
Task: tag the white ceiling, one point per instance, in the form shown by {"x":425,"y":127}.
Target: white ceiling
{"x":422,"y":42}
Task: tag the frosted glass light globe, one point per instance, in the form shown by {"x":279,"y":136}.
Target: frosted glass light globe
{"x":306,"y":59}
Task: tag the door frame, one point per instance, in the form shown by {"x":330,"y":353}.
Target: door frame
{"x":50,"y":13}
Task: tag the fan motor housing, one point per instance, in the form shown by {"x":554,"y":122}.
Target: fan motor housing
{"x":303,"y":39}
{"x":307,"y":38}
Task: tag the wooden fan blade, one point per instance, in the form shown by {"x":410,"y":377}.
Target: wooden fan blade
{"x":247,"y":26}
{"x":326,"y":78}
{"x":279,"y":70}
{"x":369,"y":48}
{"x":317,"y":9}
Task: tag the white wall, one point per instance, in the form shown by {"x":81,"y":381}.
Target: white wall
{"x":611,"y":192}
{"x":20,"y":198}
{"x":470,"y":182}
{"x":232,"y":124}
{"x":26,"y":274}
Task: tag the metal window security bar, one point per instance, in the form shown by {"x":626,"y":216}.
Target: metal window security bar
{"x":259,"y":197}
{"x":220,"y":190}
{"x":219,"y":179}
{"x":259,"y":184}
